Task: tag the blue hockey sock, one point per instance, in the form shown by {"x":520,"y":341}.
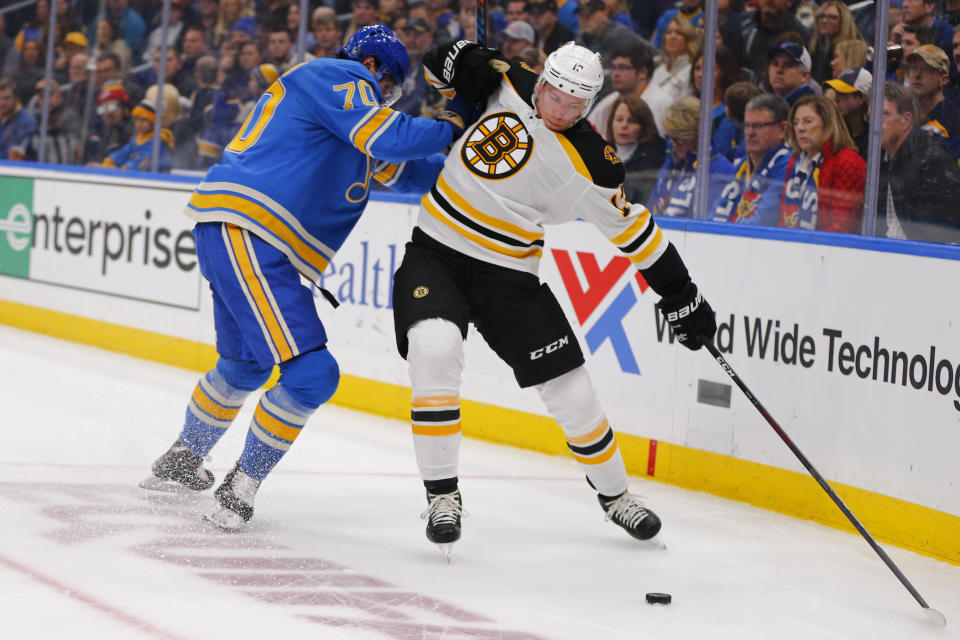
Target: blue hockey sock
{"x":213,"y":406}
{"x":276,"y":423}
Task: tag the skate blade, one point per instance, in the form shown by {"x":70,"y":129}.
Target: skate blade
{"x":446,"y":548}
{"x":656,"y":541}
{"x":224,"y":519}
{"x":153,"y":483}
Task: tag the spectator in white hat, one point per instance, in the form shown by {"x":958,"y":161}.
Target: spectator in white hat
{"x":518,"y":36}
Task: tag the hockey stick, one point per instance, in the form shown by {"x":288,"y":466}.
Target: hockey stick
{"x":931,"y":613}
{"x":482,"y":22}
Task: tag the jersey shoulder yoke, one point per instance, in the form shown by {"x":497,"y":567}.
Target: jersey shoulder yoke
{"x":593,"y":156}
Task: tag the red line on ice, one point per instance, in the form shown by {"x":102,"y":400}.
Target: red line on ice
{"x":90,"y":601}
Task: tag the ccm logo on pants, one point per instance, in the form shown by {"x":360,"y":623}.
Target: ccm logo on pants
{"x":550,"y":348}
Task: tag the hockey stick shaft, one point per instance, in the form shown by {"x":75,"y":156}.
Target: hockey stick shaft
{"x":482,"y":22}
{"x":816,"y":475}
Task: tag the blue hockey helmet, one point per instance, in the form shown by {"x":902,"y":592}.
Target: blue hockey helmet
{"x":383,"y":44}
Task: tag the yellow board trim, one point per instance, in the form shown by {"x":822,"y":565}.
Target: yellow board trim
{"x":911,"y":526}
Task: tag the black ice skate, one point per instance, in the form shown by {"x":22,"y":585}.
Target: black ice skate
{"x":234,"y":500}
{"x":176,"y":470}
{"x":443,"y":514}
{"x":629,"y":513}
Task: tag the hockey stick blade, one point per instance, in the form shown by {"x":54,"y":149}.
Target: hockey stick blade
{"x":935,"y":616}
{"x":930,"y":613}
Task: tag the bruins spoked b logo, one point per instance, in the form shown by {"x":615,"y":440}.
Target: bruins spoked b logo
{"x":497,"y":147}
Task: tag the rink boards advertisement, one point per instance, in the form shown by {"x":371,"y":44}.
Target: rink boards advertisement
{"x":851,"y":349}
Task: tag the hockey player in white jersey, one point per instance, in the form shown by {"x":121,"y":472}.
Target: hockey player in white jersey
{"x":530,"y":160}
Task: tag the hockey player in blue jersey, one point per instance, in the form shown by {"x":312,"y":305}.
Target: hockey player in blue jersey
{"x":290,"y":186}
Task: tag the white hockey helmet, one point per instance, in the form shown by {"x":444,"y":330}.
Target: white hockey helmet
{"x":575,"y":70}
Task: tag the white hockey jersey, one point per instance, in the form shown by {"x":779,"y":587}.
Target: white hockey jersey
{"x":509,"y":175}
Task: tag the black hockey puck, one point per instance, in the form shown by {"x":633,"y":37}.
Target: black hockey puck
{"x":659,"y":598}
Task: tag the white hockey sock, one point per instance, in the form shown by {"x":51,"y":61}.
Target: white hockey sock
{"x":572,"y":402}
{"x":435,"y":361}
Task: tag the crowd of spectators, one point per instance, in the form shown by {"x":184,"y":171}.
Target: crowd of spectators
{"x":790,"y":105}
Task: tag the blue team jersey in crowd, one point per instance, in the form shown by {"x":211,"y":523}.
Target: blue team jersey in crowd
{"x":298,"y":172}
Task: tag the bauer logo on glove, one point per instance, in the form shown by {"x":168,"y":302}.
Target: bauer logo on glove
{"x":690,"y":316}
{"x":471,"y":70}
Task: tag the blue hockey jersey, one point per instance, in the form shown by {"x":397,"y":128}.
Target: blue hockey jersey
{"x":298,"y":172}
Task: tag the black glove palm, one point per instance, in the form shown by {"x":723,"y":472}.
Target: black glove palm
{"x":690,"y":316}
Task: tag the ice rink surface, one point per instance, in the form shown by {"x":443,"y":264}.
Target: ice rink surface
{"x":337,"y":550}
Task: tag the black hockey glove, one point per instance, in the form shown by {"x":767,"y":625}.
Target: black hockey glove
{"x":690,"y":316}
{"x":472,"y":70}
{"x":460,"y":113}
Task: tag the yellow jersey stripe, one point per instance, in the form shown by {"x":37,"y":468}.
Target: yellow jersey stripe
{"x":273,"y":426}
{"x":255,"y":287}
{"x":593,"y":435}
{"x":444,"y":187}
{"x":574,"y":156}
{"x":436,"y":430}
{"x":652,"y":246}
{"x":266,"y":219}
{"x":387,"y":172}
{"x":432,"y":209}
{"x":632,"y":230}
{"x":215,"y":409}
{"x":600,"y":459}
{"x":362,"y":138}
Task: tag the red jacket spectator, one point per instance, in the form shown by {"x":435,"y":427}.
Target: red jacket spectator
{"x":826,"y":176}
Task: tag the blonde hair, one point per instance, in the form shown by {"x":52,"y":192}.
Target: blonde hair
{"x":682,"y":119}
{"x":852,"y":52}
{"x":834,"y":128}
{"x":171,"y":102}
{"x":690,"y":35}
{"x":848,"y":28}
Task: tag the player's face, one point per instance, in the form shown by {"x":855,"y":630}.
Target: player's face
{"x":557,"y":109}
{"x":626,"y":128}
{"x":808,"y":128}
